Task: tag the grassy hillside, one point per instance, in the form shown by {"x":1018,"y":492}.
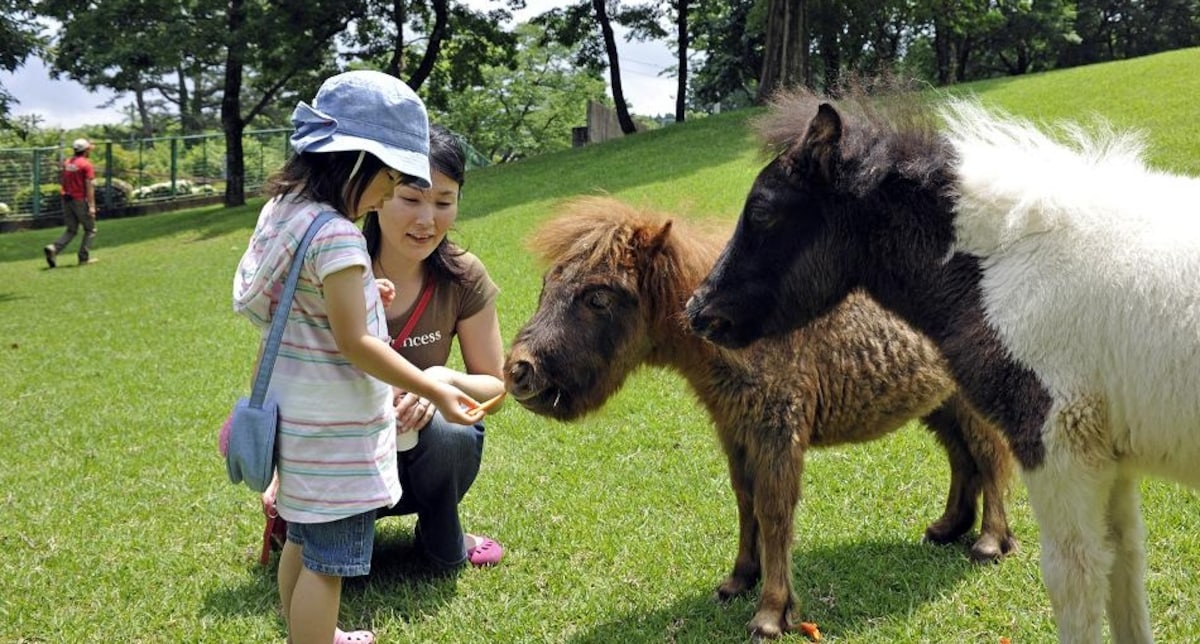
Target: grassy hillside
{"x":1155,"y":94}
{"x":118,"y":523}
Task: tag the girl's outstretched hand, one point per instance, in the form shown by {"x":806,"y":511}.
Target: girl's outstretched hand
{"x":456,"y":406}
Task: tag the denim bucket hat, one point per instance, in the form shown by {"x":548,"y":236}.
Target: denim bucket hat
{"x":367,"y":111}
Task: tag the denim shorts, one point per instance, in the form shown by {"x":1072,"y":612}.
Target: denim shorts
{"x":339,"y":548}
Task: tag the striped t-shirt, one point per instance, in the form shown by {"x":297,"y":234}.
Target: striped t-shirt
{"x":337,"y":436}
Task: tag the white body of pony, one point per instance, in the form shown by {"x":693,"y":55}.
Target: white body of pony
{"x":1091,"y":278}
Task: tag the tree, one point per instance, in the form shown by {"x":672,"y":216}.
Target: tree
{"x":587,"y":28}
{"x":520,"y":109}
{"x":1026,"y":36}
{"x":1114,"y":29}
{"x":269,"y":45}
{"x":20,"y":37}
{"x":150,"y":49}
{"x":785,"y":52}
{"x":600,"y":8}
{"x":682,"y":42}
{"x":432,"y":25}
{"x":730,"y":34}
{"x":644,"y":21}
{"x":947,"y":28}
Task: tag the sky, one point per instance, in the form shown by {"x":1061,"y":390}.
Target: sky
{"x":67,"y":104}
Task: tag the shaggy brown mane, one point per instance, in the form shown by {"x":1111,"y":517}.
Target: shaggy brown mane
{"x":596,"y":233}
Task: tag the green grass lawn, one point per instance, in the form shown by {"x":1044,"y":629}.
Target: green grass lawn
{"x":118,"y":523}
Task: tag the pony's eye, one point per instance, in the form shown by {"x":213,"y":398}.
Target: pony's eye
{"x":599,"y":299}
{"x":761,"y":217}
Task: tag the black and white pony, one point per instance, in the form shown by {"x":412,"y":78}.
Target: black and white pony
{"x":1060,"y":280}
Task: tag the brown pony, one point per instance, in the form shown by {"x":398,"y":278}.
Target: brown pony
{"x":613,"y":299}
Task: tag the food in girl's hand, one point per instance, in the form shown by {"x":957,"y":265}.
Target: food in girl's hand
{"x":488,"y":405}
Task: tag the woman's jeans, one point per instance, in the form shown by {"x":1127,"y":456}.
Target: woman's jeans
{"x":435,"y":476}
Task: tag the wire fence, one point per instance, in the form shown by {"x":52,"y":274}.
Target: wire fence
{"x":137,"y":172}
{"x":142,"y":172}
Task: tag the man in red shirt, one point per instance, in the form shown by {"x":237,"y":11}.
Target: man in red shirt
{"x":79,"y":203}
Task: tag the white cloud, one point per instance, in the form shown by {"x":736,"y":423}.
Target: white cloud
{"x":69,"y":105}
{"x":62,"y":103}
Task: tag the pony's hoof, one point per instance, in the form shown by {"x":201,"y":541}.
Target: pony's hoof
{"x":990,"y":549}
{"x":730,"y":588}
{"x":764,"y":628}
{"x":769,"y":624}
{"x":946,"y":531}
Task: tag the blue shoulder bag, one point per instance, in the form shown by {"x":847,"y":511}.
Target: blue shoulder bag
{"x":254,"y":423}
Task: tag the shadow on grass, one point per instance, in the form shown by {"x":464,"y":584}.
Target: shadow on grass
{"x":842,"y":588}
{"x":402,"y":580}
{"x":198,"y":224}
{"x":403,"y":583}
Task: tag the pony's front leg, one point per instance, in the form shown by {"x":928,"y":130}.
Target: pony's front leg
{"x":995,"y":464}
{"x":746,"y":565}
{"x":1070,"y":500}
{"x":777,"y":492}
{"x":1128,"y":609}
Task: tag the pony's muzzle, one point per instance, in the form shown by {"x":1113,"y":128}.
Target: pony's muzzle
{"x":520,"y":376}
{"x":703,"y":320}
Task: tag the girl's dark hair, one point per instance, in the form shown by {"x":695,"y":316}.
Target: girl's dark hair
{"x":446,"y":155}
{"x":322,"y":177}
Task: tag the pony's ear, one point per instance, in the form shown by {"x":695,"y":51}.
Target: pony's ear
{"x":651,"y":243}
{"x":818,"y":152}
{"x":660,"y":238}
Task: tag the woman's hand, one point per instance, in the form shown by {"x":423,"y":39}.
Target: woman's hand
{"x":413,"y":412}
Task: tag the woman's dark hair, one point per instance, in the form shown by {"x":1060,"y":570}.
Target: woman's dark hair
{"x":446,"y":155}
{"x":322,"y":177}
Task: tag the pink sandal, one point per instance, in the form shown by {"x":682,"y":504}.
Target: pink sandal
{"x":486,"y":552}
{"x":353,"y":637}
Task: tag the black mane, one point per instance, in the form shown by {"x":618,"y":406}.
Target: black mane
{"x":885,"y":133}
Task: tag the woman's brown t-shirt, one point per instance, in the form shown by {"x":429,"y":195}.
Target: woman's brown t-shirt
{"x":430,"y":341}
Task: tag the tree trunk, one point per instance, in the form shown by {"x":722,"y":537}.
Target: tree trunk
{"x":614,"y":67}
{"x":785,"y":53}
{"x":187,"y":124}
{"x":231,"y":107}
{"x":441,"y":18}
{"x":139,"y":99}
{"x":198,"y":107}
{"x":962,"y":58}
{"x":941,"y":51}
{"x":395,"y":65}
{"x":681,"y":21}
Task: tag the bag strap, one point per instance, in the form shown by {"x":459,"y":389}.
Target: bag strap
{"x":426,"y":295}
{"x":267,"y":363}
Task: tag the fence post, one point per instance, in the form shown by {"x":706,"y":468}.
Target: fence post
{"x":108,"y":175}
{"x":174,"y":165}
{"x":37,"y":182}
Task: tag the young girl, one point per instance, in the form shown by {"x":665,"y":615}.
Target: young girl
{"x":408,"y":242}
{"x":365,"y":133}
